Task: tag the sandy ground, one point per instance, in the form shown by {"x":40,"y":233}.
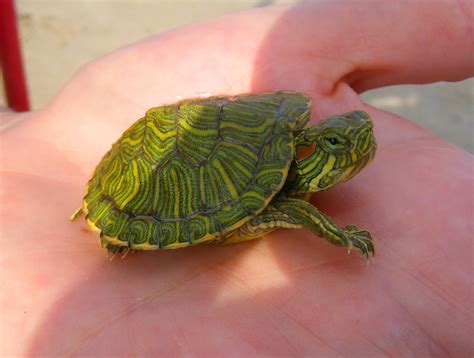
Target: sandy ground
{"x":73,"y":32}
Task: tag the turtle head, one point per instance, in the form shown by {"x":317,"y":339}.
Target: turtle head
{"x":332,"y":152}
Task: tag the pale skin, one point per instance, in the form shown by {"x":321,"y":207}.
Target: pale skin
{"x":289,"y":293}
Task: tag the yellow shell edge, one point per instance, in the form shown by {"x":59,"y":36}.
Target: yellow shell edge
{"x":104,"y":239}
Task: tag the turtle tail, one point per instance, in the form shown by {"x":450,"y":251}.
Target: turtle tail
{"x":76,"y":214}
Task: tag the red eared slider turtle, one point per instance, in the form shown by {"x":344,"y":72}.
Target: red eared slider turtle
{"x":224,"y":170}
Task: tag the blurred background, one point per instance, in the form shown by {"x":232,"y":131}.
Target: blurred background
{"x":58,"y":36}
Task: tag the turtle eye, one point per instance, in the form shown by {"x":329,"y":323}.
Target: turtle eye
{"x":332,"y":140}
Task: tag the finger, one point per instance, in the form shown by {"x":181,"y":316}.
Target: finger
{"x":374,"y":43}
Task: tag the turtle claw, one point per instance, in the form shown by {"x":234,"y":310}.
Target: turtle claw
{"x":360,"y":239}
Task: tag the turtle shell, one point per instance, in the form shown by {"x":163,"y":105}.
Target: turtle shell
{"x":192,"y":171}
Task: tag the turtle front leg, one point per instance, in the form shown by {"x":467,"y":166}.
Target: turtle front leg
{"x":292,"y":213}
{"x":262,"y":224}
{"x":320,"y":224}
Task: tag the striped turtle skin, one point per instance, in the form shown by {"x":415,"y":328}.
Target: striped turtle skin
{"x":222,"y":170}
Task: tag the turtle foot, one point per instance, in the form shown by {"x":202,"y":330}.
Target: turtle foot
{"x":360,"y":239}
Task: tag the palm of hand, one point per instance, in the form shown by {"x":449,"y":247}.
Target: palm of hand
{"x":289,"y":293}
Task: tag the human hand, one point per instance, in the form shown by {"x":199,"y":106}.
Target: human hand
{"x":290,"y":293}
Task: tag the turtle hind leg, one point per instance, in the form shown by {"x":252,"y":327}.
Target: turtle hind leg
{"x":114,"y":250}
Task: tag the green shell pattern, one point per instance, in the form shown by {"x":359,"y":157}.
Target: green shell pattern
{"x":192,"y":171}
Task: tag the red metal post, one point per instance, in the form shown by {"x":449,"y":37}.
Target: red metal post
{"x":10,"y":59}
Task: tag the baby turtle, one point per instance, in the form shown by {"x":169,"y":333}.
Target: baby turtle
{"x":225,"y":170}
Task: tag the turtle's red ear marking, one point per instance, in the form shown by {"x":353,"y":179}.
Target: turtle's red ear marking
{"x":303,"y":152}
